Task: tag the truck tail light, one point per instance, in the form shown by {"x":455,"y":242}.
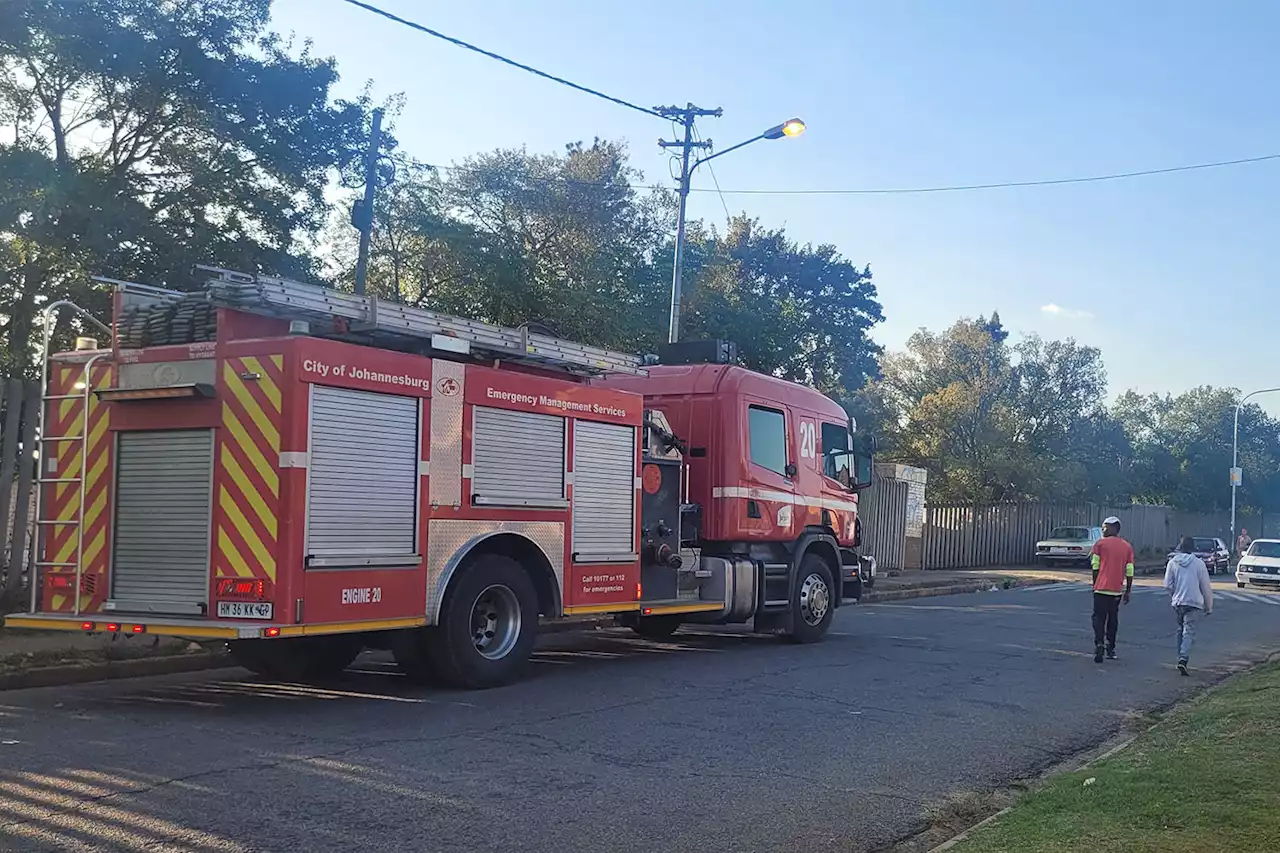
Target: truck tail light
{"x":242,"y":588}
{"x":112,"y":627}
{"x":638,"y":591}
{"x":272,"y":632}
{"x":139,"y":629}
{"x":86,"y":626}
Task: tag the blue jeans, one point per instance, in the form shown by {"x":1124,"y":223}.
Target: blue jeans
{"x":1188,"y":616}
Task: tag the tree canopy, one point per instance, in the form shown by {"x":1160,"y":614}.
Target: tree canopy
{"x":568,"y":241}
{"x":142,"y":136}
{"x":995,"y":421}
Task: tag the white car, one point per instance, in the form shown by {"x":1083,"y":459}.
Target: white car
{"x":1260,"y":564}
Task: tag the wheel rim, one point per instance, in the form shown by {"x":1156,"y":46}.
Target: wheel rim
{"x":495,"y":622}
{"x":815,"y":599}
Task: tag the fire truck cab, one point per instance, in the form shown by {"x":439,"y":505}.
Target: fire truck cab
{"x":305,"y":473}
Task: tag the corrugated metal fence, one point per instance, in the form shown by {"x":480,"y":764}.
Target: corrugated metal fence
{"x":966,"y":536}
{"x":20,"y":401}
{"x":960,"y":536}
{"x":883,"y":510}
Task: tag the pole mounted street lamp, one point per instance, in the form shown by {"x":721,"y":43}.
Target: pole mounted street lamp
{"x":1235,"y":453}
{"x":686,"y":116}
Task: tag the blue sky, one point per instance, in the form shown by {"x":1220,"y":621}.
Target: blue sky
{"x":1172,"y":276}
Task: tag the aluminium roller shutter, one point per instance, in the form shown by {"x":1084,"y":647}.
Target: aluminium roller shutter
{"x":163,"y":506}
{"x":517,"y":457}
{"x":362,"y":489}
{"x":604,"y":490}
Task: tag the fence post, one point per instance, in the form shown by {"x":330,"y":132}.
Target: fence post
{"x":26,"y":478}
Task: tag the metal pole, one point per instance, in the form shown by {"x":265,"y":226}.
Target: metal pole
{"x":365,"y":221}
{"x":1235,"y":448}
{"x":673,"y":332}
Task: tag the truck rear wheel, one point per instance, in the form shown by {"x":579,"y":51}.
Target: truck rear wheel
{"x":488,"y":624}
{"x":297,"y":658}
{"x":811,"y":600}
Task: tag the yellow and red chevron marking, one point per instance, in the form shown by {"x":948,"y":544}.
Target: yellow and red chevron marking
{"x":61,"y":501}
{"x":248,"y":478}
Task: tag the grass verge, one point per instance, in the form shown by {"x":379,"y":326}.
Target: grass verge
{"x":1206,"y":778}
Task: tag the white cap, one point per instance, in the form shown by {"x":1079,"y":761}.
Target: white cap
{"x":1111,"y":519}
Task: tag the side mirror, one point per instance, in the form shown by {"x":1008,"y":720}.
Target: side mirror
{"x":864,"y":467}
{"x":790,"y":470}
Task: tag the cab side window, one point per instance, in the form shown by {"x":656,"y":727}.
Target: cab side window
{"x":835,"y":437}
{"x":768,"y":432}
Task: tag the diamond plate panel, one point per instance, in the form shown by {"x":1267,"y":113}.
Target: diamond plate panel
{"x":447,"y":386}
{"x":450,"y":540}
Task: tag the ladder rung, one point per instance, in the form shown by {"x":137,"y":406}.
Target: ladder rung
{"x":53,"y":523}
{"x":58,"y":480}
{"x":62,"y":438}
{"x":65,"y":397}
{"x":51,"y":565}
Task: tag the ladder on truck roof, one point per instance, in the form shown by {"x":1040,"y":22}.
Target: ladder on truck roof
{"x":380,"y":319}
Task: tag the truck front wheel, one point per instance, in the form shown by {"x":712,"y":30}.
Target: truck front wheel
{"x":811,"y":604}
{"x":488,"y":624}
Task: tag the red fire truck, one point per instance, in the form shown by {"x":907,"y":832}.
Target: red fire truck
{"x":306,"y":473}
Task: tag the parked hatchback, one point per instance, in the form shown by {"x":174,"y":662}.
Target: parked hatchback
{"x":1214,"y":553}
{"x":1260,"y":564}
{"x":1067,"y":545}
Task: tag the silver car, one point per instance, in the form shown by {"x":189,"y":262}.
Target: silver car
{"x":1067,"y":546}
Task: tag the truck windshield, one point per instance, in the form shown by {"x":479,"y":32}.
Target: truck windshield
{"x":835,"y":452}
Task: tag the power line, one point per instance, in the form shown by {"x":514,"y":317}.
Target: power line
{"x":914,"y":190}
{"x":422,"y":29}
{"x":728,"y":217}
{"x":1011,"y":184}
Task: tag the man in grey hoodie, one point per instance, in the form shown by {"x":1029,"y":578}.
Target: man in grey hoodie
{"x":1187,"y":581}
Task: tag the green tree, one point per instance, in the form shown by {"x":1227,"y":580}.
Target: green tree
{"x":994,"y":421}
{"x":567,"y":241}
{"x":142,"y":136}
{"x":1182,"y":449}
{"x":803,"y":313}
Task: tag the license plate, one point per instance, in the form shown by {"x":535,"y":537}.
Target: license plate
{"x":244,"y":610}
{"x":1057,"y":550}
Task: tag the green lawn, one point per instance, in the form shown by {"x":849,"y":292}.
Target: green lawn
{"x":1207,"y":778}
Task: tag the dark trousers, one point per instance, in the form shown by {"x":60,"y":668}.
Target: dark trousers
{"x":1106,"y":618}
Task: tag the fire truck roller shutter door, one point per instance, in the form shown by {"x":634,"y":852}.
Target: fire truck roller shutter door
{"x":363,"y":478}
{"x":164,"y":487}
{"x":517,"y":458}
{"x":604,"y":490}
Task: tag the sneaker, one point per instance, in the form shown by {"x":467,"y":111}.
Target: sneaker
{"x":1111,"y":654}
{"x":1097,"y":655}
{"x":1182,"y":668}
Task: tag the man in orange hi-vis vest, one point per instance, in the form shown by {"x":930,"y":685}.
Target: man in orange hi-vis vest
{"x":1112,"y":560}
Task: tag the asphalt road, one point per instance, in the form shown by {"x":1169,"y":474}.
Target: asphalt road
{"x":713,"y":742}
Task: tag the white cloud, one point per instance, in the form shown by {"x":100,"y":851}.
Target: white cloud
{"x":1066,"y":313}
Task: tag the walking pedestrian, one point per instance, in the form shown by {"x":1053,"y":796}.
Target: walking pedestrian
{"x":1112,"y":560}
{"x":1187,"y":581}
{"x":1243,"y":541}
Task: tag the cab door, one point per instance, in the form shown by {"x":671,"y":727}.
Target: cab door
{"x":822,"y":484}
{"x":768,"y":491}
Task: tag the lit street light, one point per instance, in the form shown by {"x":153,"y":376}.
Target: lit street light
{"x":790,"y":128}
{"x":1235,"y":452}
